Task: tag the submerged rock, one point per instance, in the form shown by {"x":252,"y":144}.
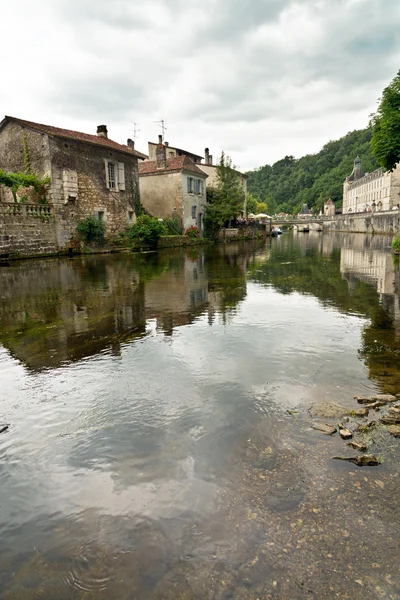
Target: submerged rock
{"x":394,"y":430}
{"x":324,"y":427}
{"x":382,"y":398}
{"x":364,"y":460}
{"x":328,"y":410}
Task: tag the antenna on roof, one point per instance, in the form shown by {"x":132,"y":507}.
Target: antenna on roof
{"x":135,"y":129}
{"x":162,"y":125}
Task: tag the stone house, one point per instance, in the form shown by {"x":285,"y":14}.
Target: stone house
{"x":173,"y":186}
{"x":370,"y":192}
{"x":89,"y":174}
{"x":329,"y":208}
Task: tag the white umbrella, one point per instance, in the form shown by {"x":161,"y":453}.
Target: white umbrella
{"x":262,"y":216}
{"x":251,"y":216}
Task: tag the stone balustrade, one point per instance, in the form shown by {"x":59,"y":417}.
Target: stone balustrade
{"x":25,"y":210}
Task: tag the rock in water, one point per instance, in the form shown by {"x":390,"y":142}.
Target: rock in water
{"x":327,"y":429}
{"x":3,"y":428}
{"x":364,"y":460}
{"x":390,"y":419}
{"x":384,"y":398}
{"x":394,"y":430}
{"x":344,"y":433}
{"x":362,"y":412}
{"x":363,"y":399}
{"x":359,"y":446}
{"x":374,"y":405}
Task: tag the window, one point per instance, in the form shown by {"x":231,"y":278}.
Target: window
{"x":111,"y":176}
{"x":196,"y":186}
{"x":99,"y":215}
{"x":130,"y":215}
{"x":201,"y":187}
{"x":190,"y":185}
{"x":193,"y":212}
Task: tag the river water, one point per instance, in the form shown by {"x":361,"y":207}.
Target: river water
{"x":160,"y":444}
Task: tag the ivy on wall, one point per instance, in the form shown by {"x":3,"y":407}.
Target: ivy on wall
{"x":15,"y":181}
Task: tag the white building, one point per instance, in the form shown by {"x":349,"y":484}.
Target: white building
{"x":370,"y":192}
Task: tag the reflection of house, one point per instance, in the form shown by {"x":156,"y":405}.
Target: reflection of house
{"x":89,"y":174}
{"x":329,"y":208}
{"x":173,"y":186}
{"x":368,"y":192}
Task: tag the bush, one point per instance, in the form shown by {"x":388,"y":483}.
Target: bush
{"x":192,"y":232}
{"x":173,"y":226}
{"x":396,"y":245}
{"x":92,"y":230}
{"x":147,"y":230}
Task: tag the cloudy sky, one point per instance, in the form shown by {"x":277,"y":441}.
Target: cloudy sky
{"x":256,"y":78}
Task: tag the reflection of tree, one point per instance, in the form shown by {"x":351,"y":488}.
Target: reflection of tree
{"x":226,"y":271}
{"x":308,"y":271}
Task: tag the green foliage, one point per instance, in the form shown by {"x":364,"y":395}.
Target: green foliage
{"x":192,"y":232}
{"x":173,"y":226}
{"x":225,"y":200}
{"x":27,"y":160}
{"x":92,"y":230}
{"x":396,"y":245}
{"x":261,"y":208}
{"x":385,"y":142}
{"x":14,"y":181}
{"x":312,"y":179}
{"x":251,"y":203}
{"x":147,"y":230}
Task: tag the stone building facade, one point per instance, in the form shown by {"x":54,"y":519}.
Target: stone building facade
{"x":173,"y":187}
{"x":89,"y":174}
{"x":329,"y":208}
{"x":371,"y":192}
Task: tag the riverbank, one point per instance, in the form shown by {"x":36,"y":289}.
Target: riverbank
{"x":387,"y":223}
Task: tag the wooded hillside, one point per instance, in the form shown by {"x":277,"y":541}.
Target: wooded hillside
{"x":314,"y":178}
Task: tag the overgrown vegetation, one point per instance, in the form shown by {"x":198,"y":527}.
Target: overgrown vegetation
{"x":396,"y":245}
{"x":385,"y":142}
{"x":224,"y":201}
{"x":92,"y":230}
{"x":147,"y":230}
{"x":312,"y":179}
{"x":173,"y":226}
{"x":15,"y":181}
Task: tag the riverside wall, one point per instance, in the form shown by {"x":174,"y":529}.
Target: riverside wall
{"x":383,"y":223}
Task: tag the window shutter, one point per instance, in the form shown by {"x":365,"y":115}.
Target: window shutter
{"x":121,"y":176}
{"x":189,"y":185}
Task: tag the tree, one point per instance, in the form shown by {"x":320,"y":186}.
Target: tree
{"x":251,"y":203}
{"x":385,"y":142}
{"x":225,"y":200}
{"x":261,"y":207}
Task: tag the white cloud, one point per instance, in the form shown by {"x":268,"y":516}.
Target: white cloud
{"x":257,"y":78}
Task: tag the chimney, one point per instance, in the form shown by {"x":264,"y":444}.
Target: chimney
{"x":210,"y":159}
{"x":166,"y":144}
{"x":206,"y":156}
{"x":102,"y":131}
{"x":131,"y":144}
{"x":161,"y":155}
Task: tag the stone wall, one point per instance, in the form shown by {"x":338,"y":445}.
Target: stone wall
{"x":387,"y":223}
{"x":25,"y":232}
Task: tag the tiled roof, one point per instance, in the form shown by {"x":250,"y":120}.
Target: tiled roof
{"x":174,"y":163}
{"x":75,"y":135}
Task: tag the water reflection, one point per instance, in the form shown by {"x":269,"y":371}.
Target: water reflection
{"x":153,"y":452}
{"x":53,"y":311}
